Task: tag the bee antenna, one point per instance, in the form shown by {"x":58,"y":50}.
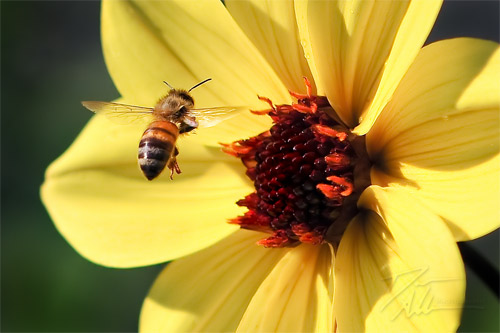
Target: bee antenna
{"x":199,"y":84}
{"x":168,"y":85}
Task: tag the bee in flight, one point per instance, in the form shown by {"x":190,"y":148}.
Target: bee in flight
{"x":174,"y":114}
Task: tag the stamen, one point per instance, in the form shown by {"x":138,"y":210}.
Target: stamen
{"x":343,"y":182}
{"x":267,"y":100}
{"x":325,"y":130}
{"x":278,"y":239}
{"x":337,"y":160}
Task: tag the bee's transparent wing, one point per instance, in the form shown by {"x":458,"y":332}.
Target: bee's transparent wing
{"x":120,"y":113}
{"x":208,"y":117}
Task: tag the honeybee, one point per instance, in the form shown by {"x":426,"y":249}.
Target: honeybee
{"x":173,"y":115}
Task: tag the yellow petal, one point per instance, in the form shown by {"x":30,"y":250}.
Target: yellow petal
{"x":184,"y":42}
{"x":210,"y":290}
{"x":110,"y":213}
{"x":398,"y":269}
{"x":272,"y":27}
{"x":440,"y":135}
{"x":360,"y":50}
{"x":296,"y":296}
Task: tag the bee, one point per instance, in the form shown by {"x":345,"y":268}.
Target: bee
{"x":173,"y":115}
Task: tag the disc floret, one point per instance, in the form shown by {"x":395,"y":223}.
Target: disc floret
{"x":303,"y":171}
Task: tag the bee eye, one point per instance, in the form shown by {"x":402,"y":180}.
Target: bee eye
{"x":179,"y":114}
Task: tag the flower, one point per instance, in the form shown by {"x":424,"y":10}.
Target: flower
{"x":430,"y":117}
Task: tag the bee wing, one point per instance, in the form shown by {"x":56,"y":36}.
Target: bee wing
{"x":120,"y":113}
{"x":208,"y":117}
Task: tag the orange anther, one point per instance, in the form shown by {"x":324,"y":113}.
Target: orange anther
{"x":325,"y":130}
{"x":261,"y":112}
{"x":278,"y":239}
{"x":337,"y":160}
{"x":330,"y":191}
{"x":311,"y":238}
{"x":308,"y":87}
{"x":345,"y":183}
{"x":304,"y":109}
{"x":300,"y":229}
{"x":267,"y":100}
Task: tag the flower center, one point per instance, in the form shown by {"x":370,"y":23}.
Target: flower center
{"x":308,"y":171}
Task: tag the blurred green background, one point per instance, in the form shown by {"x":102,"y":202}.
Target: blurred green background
{"x":51,"y":59}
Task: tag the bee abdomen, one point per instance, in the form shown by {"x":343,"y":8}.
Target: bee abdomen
{"x":156,"y":147}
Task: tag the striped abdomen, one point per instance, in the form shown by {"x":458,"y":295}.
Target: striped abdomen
{"x":157,"y":148}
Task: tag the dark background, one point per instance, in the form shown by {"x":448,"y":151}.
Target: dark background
{"x":51,"y":59}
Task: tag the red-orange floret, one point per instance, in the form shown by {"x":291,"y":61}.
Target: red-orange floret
{"x":302,"y":172}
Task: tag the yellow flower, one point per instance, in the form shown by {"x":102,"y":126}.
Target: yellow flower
{"x":430,"y":117}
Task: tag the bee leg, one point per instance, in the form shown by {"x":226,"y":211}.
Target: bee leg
{"x":174,"y":167}
{"x":172,"y":164}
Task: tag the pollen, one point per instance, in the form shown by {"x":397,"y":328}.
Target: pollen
{"x":303,"y":170}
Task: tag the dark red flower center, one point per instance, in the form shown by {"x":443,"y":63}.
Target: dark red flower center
{"x":303,"y":170}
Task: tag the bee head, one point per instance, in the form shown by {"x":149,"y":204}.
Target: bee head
{"x":184,"y":95}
